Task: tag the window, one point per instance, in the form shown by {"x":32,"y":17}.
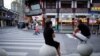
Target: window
{"x":51,"y":16}
{"x":0,"y":13}
{"x":1,"y":2}
{"x":96,"y":1}
{"x":82,"y":4}
{"x":66,"y":4}
{"x":4,"y":14}
{"x":51,"y":5}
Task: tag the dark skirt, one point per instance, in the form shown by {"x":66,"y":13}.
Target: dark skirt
{"x":54,"y":44}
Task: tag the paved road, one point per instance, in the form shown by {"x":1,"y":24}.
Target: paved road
{"x":19,"y":43}
{"x":24,"y":43}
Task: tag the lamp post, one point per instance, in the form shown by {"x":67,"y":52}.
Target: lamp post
{"x":73,"y":10}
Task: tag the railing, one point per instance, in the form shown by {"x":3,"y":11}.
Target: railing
{"x":50,"y":10}
{"x":81,"y":10}
{"x":66,"y":10}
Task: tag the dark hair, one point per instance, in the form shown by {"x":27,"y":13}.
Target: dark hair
{"x":80,"y":21}
{"x":47,"y":24}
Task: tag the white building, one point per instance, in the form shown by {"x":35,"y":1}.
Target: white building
{"x":18,"y":6}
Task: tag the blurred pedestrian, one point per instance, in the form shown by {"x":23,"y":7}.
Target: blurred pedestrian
{"x":49,"y":36}
{"x":34,"y":23}
{"x":98,"y":26}
{"x":37,"y":31}
{"x":26,"y":27}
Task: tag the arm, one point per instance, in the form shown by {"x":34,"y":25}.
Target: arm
{"x":53,"y":35}
{"x":75,"y":31}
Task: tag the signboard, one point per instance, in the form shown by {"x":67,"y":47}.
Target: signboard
{"x":36,"y":10}
{"x":35,"y":7}
{"x":95,"y":9}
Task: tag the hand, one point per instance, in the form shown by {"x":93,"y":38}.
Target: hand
{"x":74,"y":34}
{"x":53,"y":35}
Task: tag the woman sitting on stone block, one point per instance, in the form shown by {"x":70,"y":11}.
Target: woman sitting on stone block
{"x":49,"y":35}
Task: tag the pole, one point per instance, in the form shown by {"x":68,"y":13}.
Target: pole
{"x":61,"y":21}
{"x":73,"y":19}
{"x":73,"y":23}
{"x":43,"y":16}
{"x":88,"y":21}
{"x":57,"y":20}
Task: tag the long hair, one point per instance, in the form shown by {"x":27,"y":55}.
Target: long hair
{"x":48,"y":24}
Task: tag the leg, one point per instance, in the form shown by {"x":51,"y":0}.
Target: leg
{"x":58,"y":51}
{"x":35,"y":33}
{"x":57,"y":46}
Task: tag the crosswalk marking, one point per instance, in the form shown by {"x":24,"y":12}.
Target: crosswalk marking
{"x":21,"y":43}
{"x":19,"y":47}
{"x":17,"y":53}
{"x":19,"y":40}
{"x":70,"y":36}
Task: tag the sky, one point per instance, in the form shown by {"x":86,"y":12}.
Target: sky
{"x":7,"y":4}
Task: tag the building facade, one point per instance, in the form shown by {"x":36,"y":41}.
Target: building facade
{"x":68,"y":9}
{"x":18,"y":6}
{"x":1,"y":5}
{"x":6,"y":16}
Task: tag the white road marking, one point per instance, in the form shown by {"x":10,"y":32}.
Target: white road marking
{"x":70,"y":36}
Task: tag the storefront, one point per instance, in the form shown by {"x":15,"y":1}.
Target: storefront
{"x":6,"y":17}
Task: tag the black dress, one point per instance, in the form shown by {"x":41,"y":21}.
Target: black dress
{"x":49,"y":38}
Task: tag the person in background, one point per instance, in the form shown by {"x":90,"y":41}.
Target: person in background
{"x":34,"y":23}
{"x":26,"y":21}
{"x":83,"y":28}
{"x":49,"y":36}
{"x":37,"y":31}
{"x":98,"y":26}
